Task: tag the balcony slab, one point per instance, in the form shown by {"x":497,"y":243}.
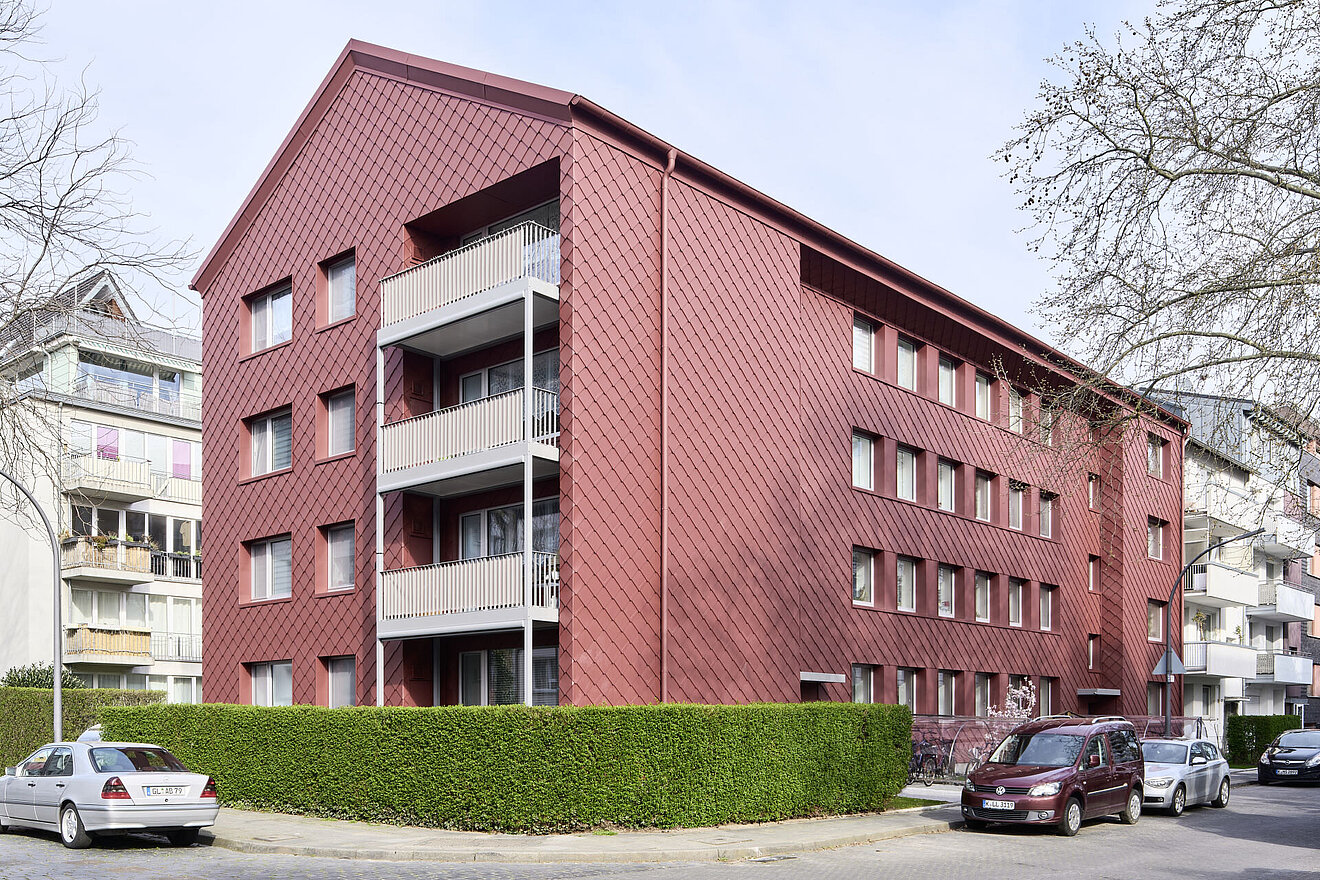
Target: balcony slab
{"x":474,"y":472}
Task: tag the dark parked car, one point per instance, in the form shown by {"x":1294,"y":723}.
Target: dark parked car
{"x":1059,"y":771}
{"x":1293,"y":755}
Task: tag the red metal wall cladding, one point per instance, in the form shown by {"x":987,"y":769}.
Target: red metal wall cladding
{"x":763,"y":404}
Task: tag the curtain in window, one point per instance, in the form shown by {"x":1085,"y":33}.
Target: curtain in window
{"x":182,"y":459}
{"x":342,"y":279}
{"x":340,"y":417}
{"x":157,"y":453}
{"x":81,"y":602}
{"x":107,"y":609}
{"x":863,"y":333}
{"x":107,"y":443}
{"x":160,"y":614}
{"x":281,"y":316}
{"x":181,"y":690}
{"x":80,"y":436}
{"x":281,"y":427}
{"x":281,"y":684}
{"x":260,"y":446}
{"x":260,"y":570}
{"x":545,"y":676}
{"x":341,"y":558}
{"x":136,"y":606}
{"x":260,"y":325}
{"x":342,"y":682}
{"x":281,"y":569}
{"x":504,"y":676}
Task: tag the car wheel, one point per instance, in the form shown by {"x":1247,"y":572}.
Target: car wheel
{"x":1179,"y":802}
{"x":1222,"y":799}
{"x":1132,"y":812}
{"x":182,"y":837}
{"x":1071,"y":822}
{"x":72,"y":833}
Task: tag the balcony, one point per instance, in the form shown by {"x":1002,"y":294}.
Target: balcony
{"x":1236,"y":508}
{"x":474,"y":296}
{"x":1287,"y":537}
{"x":1278,"y":668}
{"x":107,"y":645}
{"x":176,"y":646}
{"x":176,"y":566}
{"x":185,"y":490}
{"x":138,"y":398}
{"x":105,"y":561}
{"x":1283,"y":603}
{"x":1220,"y":586}
{"x":468,"y":595}
{"x":1219,"y":660}
{"x":473,"y":446}
{"x":107,"y":477}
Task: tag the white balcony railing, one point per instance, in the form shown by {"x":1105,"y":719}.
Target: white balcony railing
{"x":1280,"y":600}
{"x":139,"y":397}
{"x":176,"y":646}
{"x":487,"y":584}
{"x":107,"y":644}
{"x":1283,"y":668}
{"x":469,"y":427}
{"x":107,"y":554}
{"x":97,"y":472}
{"x":528,"y":250}
{"x":1221,"y":585}
{"x":187,"y":490}
{"x":1219,"y":659}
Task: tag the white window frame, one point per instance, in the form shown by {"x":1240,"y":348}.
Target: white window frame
{"x":864,"y":568}
{"x":261,"y":557}
{"x":1015,"y":409}
{"x":983,"y":386}
{"x":334,"y":443}
{"x":906,"y":364}
{"x":945,"y":484}
{"x":946,"y":589}
{"x":1154,"y":538}
{"x":863,"y":683}
{"x":863,"y":461}
{"x":863,"y":352}
{"x":484,"y":374}
{"x":905,"y":489}
{"x":484,"y":527}
{"x":981,"y":694}
{"x":947,"y":385}
{"x":1046,"y":607}
{"x":984,"y":497}
{"x":905,"y":678}
{"x":905,"y":564}
{"x":1092,"y":491}
{"x":333,"y":534}
{"x":263,"y":453}
{"x":1015,"y":495}
{"x":261,"y":310}
{"x":1046,"y":515}
{"x":335,"y":667}
{"x":1155,"y":620}
{"x":1155,"y":456}
{"x":946,"y":683}
{"x":1045,"y":695}
{"x":341,"y":295}
{"x":1092,"y":573}
{"x":1092,"y":652}
{"x":982,"y":597}
{"x":263,"y":682}
{"x":1016,"y":587}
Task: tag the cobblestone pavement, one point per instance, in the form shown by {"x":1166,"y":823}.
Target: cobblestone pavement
{"x":1265,"y":832}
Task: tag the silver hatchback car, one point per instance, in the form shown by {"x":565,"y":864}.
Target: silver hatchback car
{"x":1181,"y":773}
{"x":83,"y":789}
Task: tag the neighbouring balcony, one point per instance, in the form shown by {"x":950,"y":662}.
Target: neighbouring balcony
{"x":1238,"y":508}
{"x":176,"y":566}
{"x":110,"y":477}
{"x":1283,"y":603}
{"x":1220,"y":586}
{"x":186,"y":490}
{"x":105,"y":560}
{"x":470,"y":594}
{"x":474,"y":296}
{"x":1219,"y":660}
{"x":110,"y":645}
{"x":1287,"y":537}
{"x":176,"y":646}
{"x":125,"y":395}
{"x":1282,"y":668}
{"x":473,"y":446}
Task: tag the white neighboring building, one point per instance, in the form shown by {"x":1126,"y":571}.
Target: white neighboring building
{"x":119,"y":405}
{"x":1241,"y":611}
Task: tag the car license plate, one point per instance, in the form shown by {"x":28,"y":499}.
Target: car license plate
{"x":1285,"y":772}
{"x":164,"y":790}
{"x":998,"y":805}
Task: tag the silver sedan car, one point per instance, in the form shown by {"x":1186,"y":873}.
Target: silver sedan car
{"x":84,"y":789}
{"x":1181,"y":773}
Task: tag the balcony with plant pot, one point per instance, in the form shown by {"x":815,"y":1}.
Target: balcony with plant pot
{"x":105,"y":560}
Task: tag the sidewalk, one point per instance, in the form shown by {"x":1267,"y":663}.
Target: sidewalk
{"x":299,"y":835}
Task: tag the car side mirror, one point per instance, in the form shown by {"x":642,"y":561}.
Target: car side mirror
{"x":1093,"y":761}
{"x":11,"y":771}
{"x":1198,"y":760}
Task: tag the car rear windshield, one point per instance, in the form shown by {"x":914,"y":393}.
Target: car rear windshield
{"x":1039,"y":749}
{"x":1300,"y":739}
{"x":1164,"y":753}
{"x":127,"y":760}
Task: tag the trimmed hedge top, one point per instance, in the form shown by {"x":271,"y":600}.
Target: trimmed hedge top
{"x":1246,"y":736}
{"x":26,"y":714}
{"x":514,"y":768}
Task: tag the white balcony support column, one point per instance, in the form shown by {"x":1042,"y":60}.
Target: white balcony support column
{"x":528,"y":530}
{"x":379,"y":525}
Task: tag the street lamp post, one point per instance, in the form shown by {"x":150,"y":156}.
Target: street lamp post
{"x":58,"y":667}
{"x":1168,"y":623}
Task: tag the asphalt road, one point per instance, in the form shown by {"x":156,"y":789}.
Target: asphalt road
{"x":1265,"y":832}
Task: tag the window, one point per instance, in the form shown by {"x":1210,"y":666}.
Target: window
{"x":946,"y":683}
{"x":510,"y":376}
{"x":1014,"y":410}
{"x":1046,"y":515}
{"x":271,"y":315}
{"x":863,"y":345}
{"x":982,"y":694}
{"x":906,"y":569}
{"x":982,"y":596}
{"x":499,"y":530}
{"x":341,"y":682}
{"x":944,"y":487}
{"x":1097,"y":747}
{"x":339,"y":541}
{"x":1154,"y":456}
{"x":340,"y":423}
{"x":907,"y":687}
{"x":272,"y":442}
{"x":494,"y":677}
{"x":983,"y":486}
{"x":1048,"y":420}
{"x":945,"y":577}
{"x":1014,"y":602}
{"x":272,"y":568}
{"x":1092,"y":652}
{"x":1154,"y":620}
{"x":1015,"y":506}
{"x":272,"y":683}
{"x":1154,"y":538}
{"x":341,"y":289}
{"x":907,"y":474}
{"x":1046,"y":607}
{"x":863,"y":575}
{"x":1093,"y":491}
{"x":1154,"y":698}
{"x":863,"y":680}
{"x":863,"y":462}
{"x":947,"y":376}
{"x":907,"y":364}
{"x":983,"y":396}
{"x":1045,"y":697}
{"x":1093,"y":573}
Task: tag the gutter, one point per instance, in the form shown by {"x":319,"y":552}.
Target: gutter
{"x":664,"y":424}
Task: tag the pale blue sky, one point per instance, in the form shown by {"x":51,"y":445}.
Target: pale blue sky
{"x":876,"y":119}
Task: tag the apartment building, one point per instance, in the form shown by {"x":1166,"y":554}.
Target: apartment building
{"x":1246,"y":604}
{"x":114,"y":407}
{"x":511,"y":401}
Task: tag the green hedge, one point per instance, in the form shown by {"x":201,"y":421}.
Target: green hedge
{"x":25,"y":715}
{"x":1246,"y":736}
{"x":513,"y":768}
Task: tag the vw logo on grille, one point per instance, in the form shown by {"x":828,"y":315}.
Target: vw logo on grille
{"x":999,"y":790}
